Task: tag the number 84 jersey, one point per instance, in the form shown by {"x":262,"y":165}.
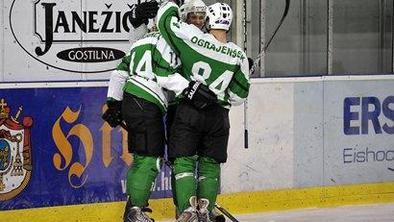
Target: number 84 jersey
{"x":223,"y":67}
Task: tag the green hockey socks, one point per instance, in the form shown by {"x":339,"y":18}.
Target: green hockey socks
{"x":186,"y":184}
{"x":185,"y":181}
{"x":208,"y":180}
{"x":140,"y":179}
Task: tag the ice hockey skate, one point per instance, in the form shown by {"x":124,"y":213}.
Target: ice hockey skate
{"x":190,"y":214}
{"x":135,"y":214}
{"x":203,"y":212}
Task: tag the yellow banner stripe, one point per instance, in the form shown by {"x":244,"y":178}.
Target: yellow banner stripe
{"x":236,"y":203}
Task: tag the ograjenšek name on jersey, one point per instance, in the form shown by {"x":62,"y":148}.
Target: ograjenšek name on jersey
{"x":222,"y":49}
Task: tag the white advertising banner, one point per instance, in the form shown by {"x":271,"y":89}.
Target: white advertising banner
{"x":311,"y":133}
{"x":64,"y":40}
{"x":359,"y":131}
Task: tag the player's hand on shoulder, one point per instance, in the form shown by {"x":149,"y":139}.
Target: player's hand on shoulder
{"x":146,"y":10}
{"x":143,"y":12}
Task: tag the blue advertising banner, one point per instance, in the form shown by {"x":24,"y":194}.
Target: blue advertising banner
{"x":56,"y":150}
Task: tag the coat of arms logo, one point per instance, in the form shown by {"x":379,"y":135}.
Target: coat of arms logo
{"x":15,"y":152}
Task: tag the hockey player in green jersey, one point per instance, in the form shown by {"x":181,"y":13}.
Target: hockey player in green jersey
{"x":201,"y":127}
{"x":136,"y":95}
{"x":191,"y":12}
{"x":141,"y":105}
{"x":149,"y":67}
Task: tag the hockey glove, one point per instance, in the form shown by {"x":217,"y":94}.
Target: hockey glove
{"x":142,"y":12}
{"x":199,"y":95}
{"x":146,"y":10}
{"x":113,"y":115}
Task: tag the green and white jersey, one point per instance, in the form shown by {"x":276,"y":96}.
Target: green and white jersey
{"x":148,"y":67}
{"x":223,"y":67}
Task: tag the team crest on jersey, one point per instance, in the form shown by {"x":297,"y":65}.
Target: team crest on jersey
{"x":15,"y":152}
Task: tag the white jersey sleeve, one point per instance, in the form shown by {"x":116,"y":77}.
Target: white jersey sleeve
{"x":116,"y":83}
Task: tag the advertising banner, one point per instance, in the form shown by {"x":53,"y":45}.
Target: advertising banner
{"x":65,"y":40}
{"x":312,"y":133}
{"x":56,"y":150}
{"x":359,"y":131}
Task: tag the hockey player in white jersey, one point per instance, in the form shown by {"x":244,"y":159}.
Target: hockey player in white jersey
{"x":201,"y":126}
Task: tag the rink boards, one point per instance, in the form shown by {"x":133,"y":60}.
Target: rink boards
{"x":308,"y":132}
{"x":312,"y":142}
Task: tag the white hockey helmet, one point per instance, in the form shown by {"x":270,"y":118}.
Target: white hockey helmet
{"x":192,"y":6}
{"x":219,"y":16}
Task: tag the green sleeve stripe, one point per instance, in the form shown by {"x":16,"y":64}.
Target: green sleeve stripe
{"x":241,"y":82}
{"x":165,"y":27}
{"x":240,"y":79}
{"x":238,"y":89}
{"x":164,"y":17}
{"x":124,"y":65}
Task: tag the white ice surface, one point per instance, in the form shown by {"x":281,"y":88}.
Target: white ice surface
{"x":360,"y":213}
